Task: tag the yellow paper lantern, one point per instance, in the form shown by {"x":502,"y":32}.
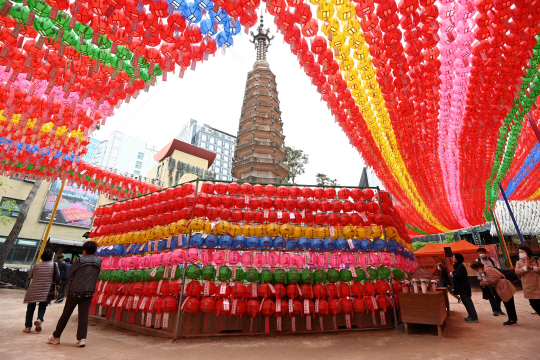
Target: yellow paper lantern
{"x":331,"y":27}
{"x":348,"y":232}
{"x":325,"y":10}
{"x":297,"y":232}
{"x":374,"y":232}
{"x":260,"y":230}
{"x":338,"y":39}
{"x":272,"y":229}
{"x":322,"y":232}
{"x":352,"y":28}
{"x":248,"y":230}
{"x":235,"y":230}
{"x":346,"y":11}
{"x":286,"y":230}
{"x":182,"y":226}
{"x":208,"y":228}
{"x":346,"y":64}
{"x":172,"y":229}
{"x":196,"y":224}
{"x":309,"y":232}
{"x":223,"y":227}
{"x":361,"y":232}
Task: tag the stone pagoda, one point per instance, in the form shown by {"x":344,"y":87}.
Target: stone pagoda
{"x":260,"y":152}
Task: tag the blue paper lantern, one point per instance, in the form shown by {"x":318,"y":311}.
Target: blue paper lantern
{"x":303,"y":244}
{"x":279,"y":243}
{"x":266,"y":243}
{"x":220,"y":16}
{"x":204,"y":4}
{"x":184,"y":241}
{"x":225,"y":242}
{"x":211,"y":241}
{"x":316,"y":244}
{"x":341,"y":244}
{"x":329,"y":244}
{"x":179,"y":5}
{"x":207,"y":27}
{"x":253,"y":243}
{"x":118,"y":250}
{"x":379,"y":245}
{"x":224,"y":39}
{"x":196,"y":241}
{"x":192,"y":13}
{"x":232,"y":29}
{"x":392,"y":244}
{"x":291,"y":244}
{"x":239,"y":242}
{"x":366,"y":245}
{"x":356,"y":245}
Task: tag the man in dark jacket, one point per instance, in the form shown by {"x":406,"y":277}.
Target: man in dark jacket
{"x":463,"y":288}
{"x":62,"y":267}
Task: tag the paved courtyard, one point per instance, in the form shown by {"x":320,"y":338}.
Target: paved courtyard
{"x":485,"y":340}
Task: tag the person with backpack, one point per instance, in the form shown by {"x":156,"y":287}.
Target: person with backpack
{"x":529,"y":270}
{"x":504,"y":288}
{"x":488,"y":292}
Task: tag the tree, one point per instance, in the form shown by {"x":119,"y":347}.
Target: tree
{"x":296,"y":160}
{"x":417,"y":245}
{"x":7,"y":206}
{"x":324,"y":180}
{"x":16,"y":230}
{"x":449,"y":238}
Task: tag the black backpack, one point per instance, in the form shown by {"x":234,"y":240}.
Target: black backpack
{"x":508,"y":274}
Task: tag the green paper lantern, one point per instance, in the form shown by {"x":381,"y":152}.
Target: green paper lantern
{"x":383,"y":272}
{"x":320,"y":276}
{"x":208,"y":272}
{"x":129,"y":276}
{"x":87,"y":31}
{"x":159,"y":273}
{"x":361,"y":274}
{"x":19,"y":13}
{"x":40,"y":7}
{"x":252,"y":275}
{"x":69,"y":38}
{"x":224,"y":273}
{"x":280,"y":276}
{"x":307,"y":276}
{"x":293,"y":276}
{"x":44,"y":27}
{"x":193,"y":272}
{"x":345,"y":275}
{"x":333,"y":275}
{"x":178,"y":272}
{"x":138,"y":275}
{"x":239,"y":275}
{"x":372,"y":273}
{"x":123,"y":53}
{"x":397,"y":273}
{"x":146,"y":275}
{"x":103,"y":42}
{"x":62,"y":20}
{"x":266,"y":276}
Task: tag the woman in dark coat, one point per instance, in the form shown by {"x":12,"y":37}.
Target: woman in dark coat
{"x":463,"y":288}
{"x":42,"y":275}
{"x":444,"y":280}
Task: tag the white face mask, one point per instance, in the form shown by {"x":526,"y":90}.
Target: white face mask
{"x":483,"y":256}
{"x":522,"y":256}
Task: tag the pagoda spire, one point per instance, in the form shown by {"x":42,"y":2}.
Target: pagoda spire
{"x":261,"y":40}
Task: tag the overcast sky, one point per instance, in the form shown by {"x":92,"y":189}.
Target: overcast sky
{"x":213,"y":94}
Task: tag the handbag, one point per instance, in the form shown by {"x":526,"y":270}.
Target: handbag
{"x":54,"y":290}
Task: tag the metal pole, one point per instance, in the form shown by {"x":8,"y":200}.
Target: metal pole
{"x":46,"y":237}
{"x":512,"y":215}
{"x":181,"y":300}
{"x":533,"y":125}
{"x":502,"y":240}
{"x":391,"y":277}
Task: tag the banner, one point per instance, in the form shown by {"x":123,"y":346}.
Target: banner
{"x":429,"y":263}
{"x":74,"y":209}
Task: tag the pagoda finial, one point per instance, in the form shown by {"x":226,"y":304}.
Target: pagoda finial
{"x":261,"y":40}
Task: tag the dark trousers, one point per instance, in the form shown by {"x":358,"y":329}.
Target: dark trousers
{"x":510,"y":309}
{"x":535,"y":304}
{"x":30,"y":313}
{"x":63,"y":287}
{"x":494,"y":299}
{"x":71,"y":303}
{"x":469,"y":306}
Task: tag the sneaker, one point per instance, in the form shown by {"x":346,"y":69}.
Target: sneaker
{"x":52,"y":340}
{"x":81,"y":343}
{"x":458,"y":300}
{"x":495,"y":314}
{"x":37,"y":324}
{"x":500,"y":313}
{"x":510,"y":322}
{"x":58,"y":300}
{"x":27,"y":330}
{"x":534,"y":313}
{"x":469,"y":320}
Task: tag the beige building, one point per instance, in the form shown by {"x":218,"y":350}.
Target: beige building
{"x":73,"y":212}
{"x":179,"y":161}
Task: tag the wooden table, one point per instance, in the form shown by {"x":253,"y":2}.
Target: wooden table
{"x":429,"y":308}
{"x":446,"y":302}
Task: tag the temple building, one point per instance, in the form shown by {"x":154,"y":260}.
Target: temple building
{"x":260,"y":150}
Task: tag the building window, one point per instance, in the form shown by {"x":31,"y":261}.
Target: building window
{"x":140,"y":156}
{"x":220,"y":142}
{"x":22,"y":252}
{"x":10,"y":207}
{"x":137,"y":172}
{"x":20,"y":177}
{"x":138,"y":165}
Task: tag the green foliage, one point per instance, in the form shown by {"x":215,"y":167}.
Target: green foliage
{"x":449,"y":238}
{"x":7,"y":205}
{"x":295,"y":160}
{"x":324,"y":180}
{"x":417,"y":245}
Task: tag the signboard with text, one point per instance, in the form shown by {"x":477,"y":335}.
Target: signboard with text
{"x":75,"y":208}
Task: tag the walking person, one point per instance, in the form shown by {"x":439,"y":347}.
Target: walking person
{"x":444,"y":280}
{"x":61,"y":280}
{"x":488,"y":292}
{"x":504,"y":288}
{"x":83,"y":276}
{"x":43,"y":275}
{"x":463,"y":288}
{"x":529,"y":270}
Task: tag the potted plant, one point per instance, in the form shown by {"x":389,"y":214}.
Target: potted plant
{"x":405,"y":284}
{"x":415,"y":284}
{"x":424,"y":284}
